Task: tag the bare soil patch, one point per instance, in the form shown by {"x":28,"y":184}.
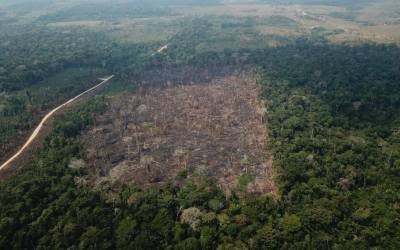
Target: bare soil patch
{"x":214,"y":128}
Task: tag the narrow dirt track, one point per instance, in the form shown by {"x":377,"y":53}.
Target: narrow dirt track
{"x":162,"y":48}
{"x":38,"y":129}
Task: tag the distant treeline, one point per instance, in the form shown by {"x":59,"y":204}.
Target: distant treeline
{"x":346,"y":3}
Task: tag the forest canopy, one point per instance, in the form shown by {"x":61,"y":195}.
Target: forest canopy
{"x":330,"y":104}
{"x":337,"y":183}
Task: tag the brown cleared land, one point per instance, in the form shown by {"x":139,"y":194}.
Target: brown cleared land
{"x":213,"y":128}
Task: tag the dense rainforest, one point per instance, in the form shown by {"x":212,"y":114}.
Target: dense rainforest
{"x":333,"y":125}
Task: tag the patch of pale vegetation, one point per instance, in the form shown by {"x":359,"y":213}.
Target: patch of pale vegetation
{"x":77,"y":164}
{"x":192,"y":217}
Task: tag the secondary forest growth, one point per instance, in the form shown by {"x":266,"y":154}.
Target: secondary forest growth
{"x":175,"y":152}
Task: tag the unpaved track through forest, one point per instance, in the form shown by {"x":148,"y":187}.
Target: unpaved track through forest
{"x":38,"y":129}
{"x":162,"y":48}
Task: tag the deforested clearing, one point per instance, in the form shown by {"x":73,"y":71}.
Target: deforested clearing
{"x":159,"y":134}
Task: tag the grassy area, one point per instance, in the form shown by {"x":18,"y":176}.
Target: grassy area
{"x":123,"y":22}
{"x":372,"y":21}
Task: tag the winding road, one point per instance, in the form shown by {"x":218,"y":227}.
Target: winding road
{"x":37,"y":130}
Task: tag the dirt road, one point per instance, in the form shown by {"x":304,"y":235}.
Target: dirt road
{"x":46,"y":118}
{"x":162,"y":48}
